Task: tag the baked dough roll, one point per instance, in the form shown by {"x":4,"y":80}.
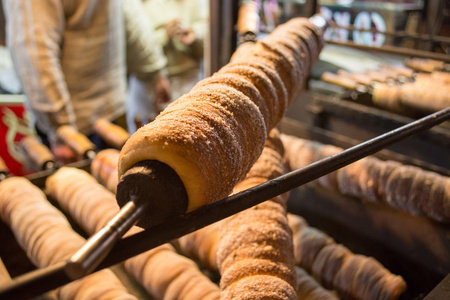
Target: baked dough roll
{"x":313,"y":32}
{"x":400,"y":70}
{"x":267,"y":81}
{"x":424,"y":64}
{"x":337,"y":79}
{"x":296,"y":46}
{"x":427,"y":97}
{"x":204,"y":135}
{"x":278,"y":58}
{"x":104,"y":168}
{"x":47,"y":237}
{"x":443,"y":77}
{"x":309,"y":289}
{"x":77,"y":141}
{"x":201,"y":245}
{"x":244,"y":86}
{"x":301,"y":152}
{"x":167,"y":275}
{"x":255,"y":247}
{"x":387,"y":97}
{"x":80,"y":195}
{"x":407,"y":188}
{"x":353,"y":276}
{"x":39,"y":155}
{"x":3,"y":168}
{"x":113,"y":134}
{"x":358,"y":77}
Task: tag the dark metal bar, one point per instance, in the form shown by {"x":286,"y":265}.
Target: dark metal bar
{"x":35,"y":283}
{"x":223,"y":17}
{"x":313,"y":7}
{"x":97,"y":247}
{"x":178,"y":226}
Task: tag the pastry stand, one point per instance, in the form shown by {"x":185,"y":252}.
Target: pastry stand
{"x":107,"y":248}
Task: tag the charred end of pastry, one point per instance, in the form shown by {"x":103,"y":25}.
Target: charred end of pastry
{"x":156,"y":186}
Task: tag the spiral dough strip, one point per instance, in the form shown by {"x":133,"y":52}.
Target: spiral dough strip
{"x":205,"y":134}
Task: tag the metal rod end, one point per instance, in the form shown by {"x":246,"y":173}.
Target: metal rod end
{"x":155,"y":185}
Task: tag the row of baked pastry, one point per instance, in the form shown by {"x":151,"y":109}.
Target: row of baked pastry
{"x":255,"y":251}
{"x":427,"y":93}
{"x":159,"y":270}
{"x":353,"y":276}
{"x":408,"y":188}
{"x":420,"y":87}
{"x":47,"y":237}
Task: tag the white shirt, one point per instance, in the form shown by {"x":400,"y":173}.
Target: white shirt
{"x":72,"y":56}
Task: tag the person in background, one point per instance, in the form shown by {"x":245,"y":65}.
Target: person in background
{"x":73,"y":58}
{"x":180,"y":27}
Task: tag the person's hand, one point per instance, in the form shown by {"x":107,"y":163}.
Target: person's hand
{"x":172,"y":28}
{"x":162,"y":91}
{"x":186,"y":36}
{"x":63,"y":153}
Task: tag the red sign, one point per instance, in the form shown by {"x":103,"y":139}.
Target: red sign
{"x":14,"y":125}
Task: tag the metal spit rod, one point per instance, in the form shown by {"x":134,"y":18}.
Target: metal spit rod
{"x":37,"y":282}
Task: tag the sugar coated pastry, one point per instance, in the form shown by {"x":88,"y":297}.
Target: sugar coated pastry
{"x":204,"y":135}
{"x":353,"y":276}
{"x":255,"y":254}
{"x":408,"y":188}
{"x":104,"y":168}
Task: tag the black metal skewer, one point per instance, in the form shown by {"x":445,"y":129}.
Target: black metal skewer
{"x":43,"y":280}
